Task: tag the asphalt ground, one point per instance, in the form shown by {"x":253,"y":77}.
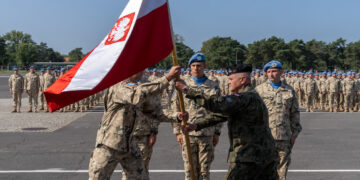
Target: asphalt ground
{"x":328,"y":148}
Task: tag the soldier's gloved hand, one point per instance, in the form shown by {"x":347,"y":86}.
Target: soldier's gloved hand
{"x":174,"y":72}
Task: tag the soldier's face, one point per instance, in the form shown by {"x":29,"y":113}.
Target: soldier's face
{"x":274,"y":74}
{"x":16,"y":72}
{"x":32,"y":70}
{"x":197,"y":69}
{"x":237,"y":81}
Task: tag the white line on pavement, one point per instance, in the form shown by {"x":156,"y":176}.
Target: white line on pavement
{"x":59,"y":170}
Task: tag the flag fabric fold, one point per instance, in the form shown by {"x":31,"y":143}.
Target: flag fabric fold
{"x":140,"y":38}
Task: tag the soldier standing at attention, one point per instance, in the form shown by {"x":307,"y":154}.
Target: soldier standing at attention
{"x":32,"y":86}
{"x":202,"y":142}
{"x":284,"y":116}
{"x":309,"y":91}
{"x":41,"y":90}
{"x":49,"y":79}
{"x":16,"y":86}
{"x":114,"y":141}
{"x":252,"y":151}
{"x":349,"y":92}
{"x":322,"y":90}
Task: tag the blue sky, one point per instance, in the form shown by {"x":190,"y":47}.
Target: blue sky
{"x":68,"y":24}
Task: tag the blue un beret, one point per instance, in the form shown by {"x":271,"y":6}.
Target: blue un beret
{"x":32,"y":67}
{"x":198,"y":57}
{"x":15,"y":69}
{"x":272,"y":64}
{"x":42,"y":70}
{"x":48,"y":68}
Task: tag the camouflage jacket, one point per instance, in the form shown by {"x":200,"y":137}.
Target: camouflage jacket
{"x":124,"y":108}
{"x":195,"y":111}
{"x":49,"y":79}
{"x":247,"y":116}
{"x":309,"y":86}
{"x":322,"y":86}
{"x":32,"y":82}
{"x":16,"y":83}
{"x":348,"y":86}
{"x":41,"y":83}
{"x":283,"y":107}
{"x":333,"y":85}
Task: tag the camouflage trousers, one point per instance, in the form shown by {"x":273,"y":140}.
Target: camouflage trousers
{"x":333,"y":100}
{"x":42,"y":99}
{"x":33,"y":96}
{"x":104,"y":160}
{"x":16,"y":98}
{"x":283,"y":149}
{"x":348,"y":101}
{"x":252,"y":171}
{"x":142,"y":143}
{"x":322,"y":100}
{"x":309,"y":100}
{"x":202,"y":149}
{"x":299,"y":95}
{"x":341,"y":100}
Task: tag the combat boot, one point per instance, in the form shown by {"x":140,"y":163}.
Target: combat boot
{"x":42,"y":108}
{"x":335,"y":110}
{"x":341,"y":108}
{"x":35,"y":110}
{"x":307,"y":110}
{"x":30,"y":110}
{"x":311,"y":110}
{"x":76,"y":110}
{"x":351,"y":110}
{"x":14,"y":111}
{"x":346,"y":110}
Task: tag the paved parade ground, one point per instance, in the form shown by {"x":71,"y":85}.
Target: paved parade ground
{"x":59,"y":148}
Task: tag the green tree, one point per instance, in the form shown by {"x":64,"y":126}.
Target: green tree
{"x":222,"y":52}
{"x":336,"y":52}
{"x":3,"y":55}
{"x":76,"y":55}
{"x":265,"y":50}
{"x":17,"y":45}
{"x":352,"y":56}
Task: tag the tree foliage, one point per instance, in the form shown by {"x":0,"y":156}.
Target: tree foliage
{"x":76,"y":55}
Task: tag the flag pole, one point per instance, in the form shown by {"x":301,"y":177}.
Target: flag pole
{"x":181,"y":103}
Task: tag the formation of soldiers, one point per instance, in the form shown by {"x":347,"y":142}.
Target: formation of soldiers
{"x":34,"y":86}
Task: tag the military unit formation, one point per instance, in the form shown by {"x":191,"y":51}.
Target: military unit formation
{"x":260,"y":143}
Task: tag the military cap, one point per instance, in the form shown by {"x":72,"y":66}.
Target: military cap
{"x":32,"y":67}
{"x":15,"y":69}
{"x":238,"y":68}
{"x":198,"y":57}
{"x":42,"y":70}
{"x":48,"y":68}
{"x":273,"y":64}
{"x":62,"y":69}
{"x":349,"y":73}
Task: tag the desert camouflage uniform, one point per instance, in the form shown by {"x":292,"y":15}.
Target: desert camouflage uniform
{"x":201,"y":142}
{"x":357,"y":96}
{"x":341,"y":95}
{"x":309,"y":91}
{"x":316,"y":94}
{"x":252,"y":152}
{"x":41,"y":91}
{"x":32,"y":85}
{"x":114,"y":141}
{"x":297,"y":87}
{"x":49,"y":79}
{"x":284,"y":120}
{"x":16,"y":86}
{"x":322,"y":87}
{"x":147,"y":126}
{"x":333,"y":91}
{"x":349,"y":92}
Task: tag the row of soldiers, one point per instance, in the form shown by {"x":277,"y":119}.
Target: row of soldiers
{"x":135,"y":107}
{"x":325,"y":91}
{"x":34,"y":86}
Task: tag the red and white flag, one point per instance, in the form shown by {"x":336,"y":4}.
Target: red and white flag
{"x":140,"y":38}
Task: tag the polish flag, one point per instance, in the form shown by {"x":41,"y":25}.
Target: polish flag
{"x":140,"y":38}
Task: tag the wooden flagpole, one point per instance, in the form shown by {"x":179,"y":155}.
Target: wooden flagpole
{"x":181,"y":103}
